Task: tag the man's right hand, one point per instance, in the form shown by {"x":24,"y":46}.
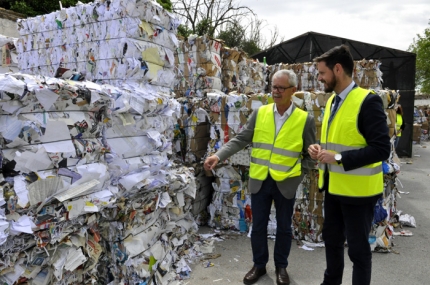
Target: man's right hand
{"x":211,"y":162}
{"x":314,"y":150}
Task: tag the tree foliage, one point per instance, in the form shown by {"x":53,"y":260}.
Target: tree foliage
{"x":250,"y":47}
{"x":421,"y":47}
{"x":248,"y":37}
{"x":205,"y":27}
{"x":166,"y":4}
{"x":234,"y":35}
{"x":209,"y":15}
{"x":184,"y":31}
{"x":32,"y":8}
{"x":236,"y":25}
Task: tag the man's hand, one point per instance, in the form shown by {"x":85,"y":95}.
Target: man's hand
{"x":325,"y":156}
{"x":211,"y":162}
{"x":314,"y":150}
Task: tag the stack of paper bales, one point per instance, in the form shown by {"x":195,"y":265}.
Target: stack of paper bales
{"x":88,"y":190}
{"x":107,"y":41}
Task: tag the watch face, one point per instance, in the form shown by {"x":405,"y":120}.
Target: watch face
{"x":338,"y":156}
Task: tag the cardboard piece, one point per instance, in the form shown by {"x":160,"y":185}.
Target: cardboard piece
{"x":416,"y":134}
{"x":425,"y":125}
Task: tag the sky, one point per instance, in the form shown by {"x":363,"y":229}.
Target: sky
{"x":388,"y":23}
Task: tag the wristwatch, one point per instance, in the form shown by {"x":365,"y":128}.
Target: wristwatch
{"x":338,"y":158}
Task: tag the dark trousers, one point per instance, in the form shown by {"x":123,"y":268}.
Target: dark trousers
{"x":396,"y":142}
{"x":353,"y":223}
{"x":261,"y":203}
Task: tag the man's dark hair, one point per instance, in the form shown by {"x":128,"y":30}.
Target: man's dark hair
{"x":339,"y":54}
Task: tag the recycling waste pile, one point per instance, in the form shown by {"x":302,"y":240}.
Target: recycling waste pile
{"x":9,"y":62}
{"x":109,"y":41}
{"x":101,"y":162}
{"x":89,"y":192}
{"x":89,"y":188}
{"x":211,"y":118}
{"x":205,"y":64}
{"x":421,"y":125}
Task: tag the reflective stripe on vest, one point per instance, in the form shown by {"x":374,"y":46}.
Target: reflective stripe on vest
{"x":276,"y":149}
{"x":272,"y":165}
{"x":343,"y":135}
{"x":280,"y":154}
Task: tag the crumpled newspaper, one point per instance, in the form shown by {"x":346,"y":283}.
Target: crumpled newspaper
{"x":407,"y":220}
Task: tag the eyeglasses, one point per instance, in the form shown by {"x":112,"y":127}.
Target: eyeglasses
{"x":280,"y":88}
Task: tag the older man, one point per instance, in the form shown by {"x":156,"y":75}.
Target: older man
{"x":280,"y":134}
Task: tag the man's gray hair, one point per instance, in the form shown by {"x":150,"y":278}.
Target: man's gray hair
{"x":292,"y":77}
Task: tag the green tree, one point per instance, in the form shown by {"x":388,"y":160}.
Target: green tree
{"x":233,"y":35}
{"x":248,"y":35}
{"x":421,"y":47}
{"x":250,"y":47}
{"x":166,"y":4}
{"x":205,"y":27}
{"x":184,"y":31}
{"x":237,"y":25}
{"x":209,"y":15}
{"x":32,"y":8}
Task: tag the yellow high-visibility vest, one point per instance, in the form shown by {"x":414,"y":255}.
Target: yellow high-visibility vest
{"x":343,"y":135}
{"x":399,"y":123}
{"x":280,"y":154}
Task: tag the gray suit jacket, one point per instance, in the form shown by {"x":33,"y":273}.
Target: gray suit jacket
{"x":289,"y":186}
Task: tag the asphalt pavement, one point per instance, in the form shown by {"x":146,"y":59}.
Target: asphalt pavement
{"x":407,"y":264}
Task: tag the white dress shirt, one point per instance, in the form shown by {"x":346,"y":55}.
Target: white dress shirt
{"x":343,"y":94}
{"x":280,"y":120}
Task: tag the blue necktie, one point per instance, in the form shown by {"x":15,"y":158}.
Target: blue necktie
{"x":337,"y":100}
